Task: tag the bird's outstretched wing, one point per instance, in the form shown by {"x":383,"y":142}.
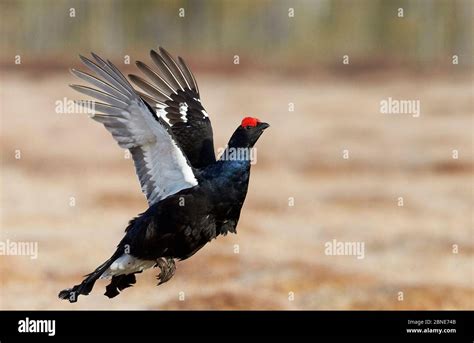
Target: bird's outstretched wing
{"x":172,"y":91}
{"x":161,"y":165}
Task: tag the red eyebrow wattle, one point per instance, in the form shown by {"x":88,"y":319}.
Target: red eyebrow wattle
{"x":249,"y":121}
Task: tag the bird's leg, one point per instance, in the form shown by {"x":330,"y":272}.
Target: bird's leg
{"x":167,"y":267}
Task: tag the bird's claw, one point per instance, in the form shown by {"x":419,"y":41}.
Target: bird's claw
{"x":167,"y":269}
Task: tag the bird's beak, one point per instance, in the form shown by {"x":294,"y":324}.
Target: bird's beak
{"x":263,"y":126}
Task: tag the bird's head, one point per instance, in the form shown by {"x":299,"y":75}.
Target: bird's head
{"x":247,"y":134}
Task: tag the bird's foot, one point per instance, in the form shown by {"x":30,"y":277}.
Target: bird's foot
{"x":167,"y":267}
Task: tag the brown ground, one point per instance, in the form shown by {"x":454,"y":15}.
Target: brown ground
{"x":408,"y":249}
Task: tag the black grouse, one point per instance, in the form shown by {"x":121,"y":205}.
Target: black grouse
{"x":192,"y":197}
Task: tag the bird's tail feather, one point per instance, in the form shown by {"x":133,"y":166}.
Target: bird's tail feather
{"x":85,"y":287}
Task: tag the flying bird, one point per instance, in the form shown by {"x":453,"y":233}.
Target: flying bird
{"x":192,"y":196}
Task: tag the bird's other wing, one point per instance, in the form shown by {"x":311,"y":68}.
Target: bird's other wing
{"x":171,"y":90}
{"x":161,"y":165}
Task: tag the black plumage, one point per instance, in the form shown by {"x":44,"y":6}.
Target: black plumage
{"x":192,"y":197}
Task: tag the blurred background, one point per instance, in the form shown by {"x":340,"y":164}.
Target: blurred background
{"x":332,"y":166}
